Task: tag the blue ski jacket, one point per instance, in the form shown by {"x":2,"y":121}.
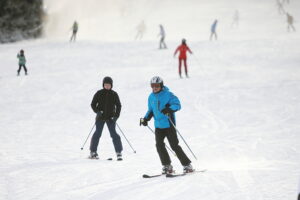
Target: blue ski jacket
{"x":157,"y":102}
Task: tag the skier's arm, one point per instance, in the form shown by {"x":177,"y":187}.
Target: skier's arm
{"x":176,"y":51}
{"x":118,"y":106}
{"x":149,"y":113}
{"x":189,"y":50}
{"x":174,"y":103}
{"x":94,"y":103}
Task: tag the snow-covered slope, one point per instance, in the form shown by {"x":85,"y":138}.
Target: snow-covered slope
{"x":240,"y":115}
{"x":116,"y":20}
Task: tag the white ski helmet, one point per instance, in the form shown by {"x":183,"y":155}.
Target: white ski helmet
{"x":157,"y":79}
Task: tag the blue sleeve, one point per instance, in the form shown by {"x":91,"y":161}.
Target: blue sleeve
{"x":174,"y":102}
{"x":149,"y":113}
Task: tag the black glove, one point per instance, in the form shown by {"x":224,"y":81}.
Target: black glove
{"x":99,"y":115}
{"x":143,"y":122}
{"x":114,"y":119}
{"x":167,"y":111}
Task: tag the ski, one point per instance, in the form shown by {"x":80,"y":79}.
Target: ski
{"x":152,"y":176}
{"x":183,"y":174}
{"x":97,"y":158}
{"x":173,"y":175}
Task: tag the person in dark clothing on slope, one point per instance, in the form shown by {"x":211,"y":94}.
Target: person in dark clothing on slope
{"x":183,"y":48}
{"x":162,"y":105}
{"x":107,"y":105}
{"x":74,"y":31}
{"x":22,"y":62}
{"x":290,"y":21}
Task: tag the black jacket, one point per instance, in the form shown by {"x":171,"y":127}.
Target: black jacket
{"x":108,"y":103}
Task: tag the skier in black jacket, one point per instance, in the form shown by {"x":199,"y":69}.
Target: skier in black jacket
{"x":107,"y":105}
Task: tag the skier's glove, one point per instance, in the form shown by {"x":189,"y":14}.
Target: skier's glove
{"x":99,"y":115}
{"x":167,"y":111}
{"x":114,"y":119}
{"x":143,"y":122}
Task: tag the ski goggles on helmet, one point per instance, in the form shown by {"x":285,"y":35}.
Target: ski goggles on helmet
{"x":155,"y":85}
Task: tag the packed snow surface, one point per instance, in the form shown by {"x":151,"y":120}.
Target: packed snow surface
{"x":240,"y":115}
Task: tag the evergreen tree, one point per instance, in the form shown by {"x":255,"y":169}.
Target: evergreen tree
{"x":20,"y":19}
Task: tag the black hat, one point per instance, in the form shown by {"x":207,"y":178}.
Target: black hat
{"x":107,"y":79}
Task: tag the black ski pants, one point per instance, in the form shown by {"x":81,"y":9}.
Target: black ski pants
{"x":171,"y":135}
{"x":20,"y":67}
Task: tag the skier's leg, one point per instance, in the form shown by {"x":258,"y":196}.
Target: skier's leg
{"x":115,"y":136}
{"x":163,"y":42}
{"x":160,"y":42}
{"x":185,"y":68}
{"x":179,"y":67}
{"x":160,"y":146}
{"x":19,"y":69}
{"x":96,"y":137}
{"x":25,"y":69}
{"x":174,"y":143}
{"x":216,"y":37}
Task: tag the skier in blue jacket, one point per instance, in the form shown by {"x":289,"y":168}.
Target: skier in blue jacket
{"x":162,"y":105}
{"x":213,"y":30}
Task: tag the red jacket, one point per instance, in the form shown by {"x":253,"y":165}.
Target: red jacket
{"x":182,"y":51}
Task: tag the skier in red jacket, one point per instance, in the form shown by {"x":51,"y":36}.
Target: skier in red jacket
{"x":183,"y":48}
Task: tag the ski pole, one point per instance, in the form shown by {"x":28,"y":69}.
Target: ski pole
{"x":196,"y":58}
{"x":88,"y":136}
{"x":166,"y":145}
{"x":181,"y":137}
{"x":134,"y":151}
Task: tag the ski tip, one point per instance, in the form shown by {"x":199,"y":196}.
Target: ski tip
{"x":146,"y":176}
{"x":109,"y":159}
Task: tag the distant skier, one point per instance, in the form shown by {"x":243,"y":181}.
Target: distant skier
{"x":235,"y":19}
{"x":213,"y":30}
{"x":162,"y":105}
{"x":280,"y":7}
{"x":141,"y":28}
{"x":162,"y":34}
{"x":22,"y":62}
{"x":290,"y":21}
{"x":107,"y":105}
{"x":74,"y":31}
{"x":183,"y":48}
{"x":299,"y":189}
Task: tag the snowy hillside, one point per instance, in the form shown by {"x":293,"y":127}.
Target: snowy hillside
{"x":117,"y":20}
{"x":240,"y":115}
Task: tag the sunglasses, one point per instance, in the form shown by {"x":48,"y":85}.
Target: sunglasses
{"x":155,"y":85}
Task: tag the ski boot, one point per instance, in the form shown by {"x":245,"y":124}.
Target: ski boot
{"x":119,"y":157}
{"x":93,"y":155}
{"x":188,"y":168}
{"x":167,"y":169}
